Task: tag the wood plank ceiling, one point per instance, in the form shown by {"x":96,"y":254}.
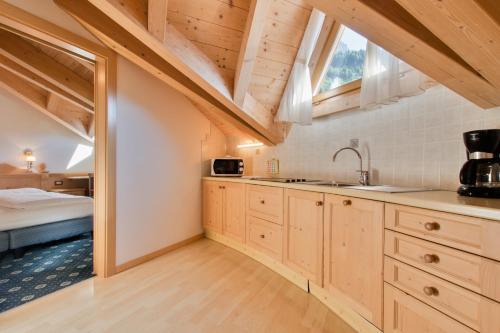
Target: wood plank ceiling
{"x":217,"y":27}
{"x":233,"y":58}
{"x":51,"y":81}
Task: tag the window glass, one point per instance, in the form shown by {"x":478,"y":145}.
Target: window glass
{"x":347,"y":61}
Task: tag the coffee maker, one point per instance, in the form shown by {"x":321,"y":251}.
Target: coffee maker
{"x":480,"y":175}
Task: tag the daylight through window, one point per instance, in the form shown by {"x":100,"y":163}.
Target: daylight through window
{"x":347,"y":62}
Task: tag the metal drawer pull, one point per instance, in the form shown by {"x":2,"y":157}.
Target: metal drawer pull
{"x":319,"y":203}
{"x":431,"y":291}
{"x":262,"y":236}
{"x":431,"y":226}
{"x":347,"y":202}
{"x":263,"y":202}
{"x":431,"y":258}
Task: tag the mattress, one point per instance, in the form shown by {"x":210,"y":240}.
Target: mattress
{"x":13,"y":218}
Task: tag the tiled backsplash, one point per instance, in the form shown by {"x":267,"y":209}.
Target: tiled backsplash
{"x":415,"y":142}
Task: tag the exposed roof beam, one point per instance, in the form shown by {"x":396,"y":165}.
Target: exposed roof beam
{"x":36,"y":79}
{"x":387,"y":24}
{"x":38,"y":99}
{"x":157,"y":18}
{"x":468,"y":28}
{"x":249,"y":48}
{"x":133,"y":41}
{"x":25,"y":54}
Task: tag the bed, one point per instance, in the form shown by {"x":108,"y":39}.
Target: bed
{"x":30,"y":216}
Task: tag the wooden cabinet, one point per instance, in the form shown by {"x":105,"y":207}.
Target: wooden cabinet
{"x":303,"y":228}
{"x":405,"y":314}
{"x":353,"y":268}
{"x":265,"y":237}
{"x":233,"y":222}
{"x":224,"y":208}
{"x":473,"y":272}
{"x":212,"y":206}
{"x":265,"y":202}
{"x":466,"y":233}
{"x":459,"y":303}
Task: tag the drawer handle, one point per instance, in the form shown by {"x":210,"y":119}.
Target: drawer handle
{"x":347,"y":202}
{"x":319,"y":203}
{"x":431,"y":258}
{"x":431,"y":226}
{"x":262,"y":236}
{"x":263,"y":202}
{"x":431,"y":291}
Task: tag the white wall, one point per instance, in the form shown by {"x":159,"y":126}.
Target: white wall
{"x":23,"y":127}
{"x":158,"y":164}
{"x":416,"y":142}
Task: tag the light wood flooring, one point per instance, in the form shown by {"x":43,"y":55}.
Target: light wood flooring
{"x":203,"y":287}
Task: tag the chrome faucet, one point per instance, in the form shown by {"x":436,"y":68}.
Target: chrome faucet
{"x":363,"y":175}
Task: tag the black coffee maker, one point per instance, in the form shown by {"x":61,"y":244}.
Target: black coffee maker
{"x":480,"y":175}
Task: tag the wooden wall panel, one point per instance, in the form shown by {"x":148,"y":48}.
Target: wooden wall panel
{"x":215,"y":27}
{"x":286,"y":22}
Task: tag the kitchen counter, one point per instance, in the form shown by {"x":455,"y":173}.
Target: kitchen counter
{"x":446,"y":201}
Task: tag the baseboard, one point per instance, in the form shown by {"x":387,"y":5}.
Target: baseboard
{"x":155,"y":254}
{"x":344,"y":311}
{"x":269,"y":262}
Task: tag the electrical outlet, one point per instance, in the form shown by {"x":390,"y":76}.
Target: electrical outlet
{"x":58,"y":183}
{"x":354,"y":143}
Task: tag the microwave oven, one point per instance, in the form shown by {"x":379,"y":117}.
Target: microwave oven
{"x":227,"y":167}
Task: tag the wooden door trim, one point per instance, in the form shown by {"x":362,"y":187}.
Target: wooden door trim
{"x":23,"y":23}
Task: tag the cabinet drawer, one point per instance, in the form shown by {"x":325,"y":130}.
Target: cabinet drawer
{"x":461,"y":304}
{"x":470,"y":234}
{"x":265,"y":237}
{"x":405,"y":314}
{"x":265,"y":202}
{"x":467,"y":270}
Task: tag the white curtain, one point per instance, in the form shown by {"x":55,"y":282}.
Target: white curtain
{"x":296,"y":103}
{"x":386,"y":79}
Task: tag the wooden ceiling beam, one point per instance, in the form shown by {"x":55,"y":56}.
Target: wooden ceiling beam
{"x":28,"y":56}
{"x":39,"y":99}
{"x":130,"y":39}
{"x":36,"y":79}
{"x":389,"y":25}
{"x":249,"y":48}
{"x":157,"y":18}
{"x":467,"y":27}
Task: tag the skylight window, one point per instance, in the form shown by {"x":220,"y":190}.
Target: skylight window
{"x":347,"y":60}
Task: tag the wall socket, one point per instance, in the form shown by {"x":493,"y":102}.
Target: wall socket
{"x":354,"y":143}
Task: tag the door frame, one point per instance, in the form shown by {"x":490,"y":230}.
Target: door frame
{"x":30,"y":26}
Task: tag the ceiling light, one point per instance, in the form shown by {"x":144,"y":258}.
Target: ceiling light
{"x":250,"y":145}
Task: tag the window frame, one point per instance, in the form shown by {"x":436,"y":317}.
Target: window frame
{"x":325,"y":58}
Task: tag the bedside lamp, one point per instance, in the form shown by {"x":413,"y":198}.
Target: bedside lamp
{"x":30,"y":158}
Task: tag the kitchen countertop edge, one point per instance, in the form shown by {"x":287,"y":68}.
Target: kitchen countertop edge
{"x":445,"y":201}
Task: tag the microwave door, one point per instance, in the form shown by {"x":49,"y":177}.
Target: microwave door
{"x":226,"y":167}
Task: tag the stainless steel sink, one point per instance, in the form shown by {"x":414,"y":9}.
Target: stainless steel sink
{"x":329,"y":183}
{"x":376,"y":188}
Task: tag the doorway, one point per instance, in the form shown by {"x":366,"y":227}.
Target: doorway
{"x":101,"y":130}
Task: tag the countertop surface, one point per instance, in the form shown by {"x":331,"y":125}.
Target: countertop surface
{"x":445,"y":201}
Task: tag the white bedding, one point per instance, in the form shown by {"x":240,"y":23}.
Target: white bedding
{"x":42,"y":211}
{"x":23,"y":198}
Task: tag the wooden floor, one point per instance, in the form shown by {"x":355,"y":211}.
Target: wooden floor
{"x":203,"y":287}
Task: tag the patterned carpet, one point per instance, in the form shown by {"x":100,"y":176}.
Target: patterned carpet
{"x":44,"y":269}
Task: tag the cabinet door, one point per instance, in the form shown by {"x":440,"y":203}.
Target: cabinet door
{"x":354,"y":254}
{"x":303,"y":227}
{"x":212,"y":206}
{"x":405,"y":314}
{"x":234,"y":211}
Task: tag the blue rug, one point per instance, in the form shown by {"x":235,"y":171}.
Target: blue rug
{"x":44,"y":269}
